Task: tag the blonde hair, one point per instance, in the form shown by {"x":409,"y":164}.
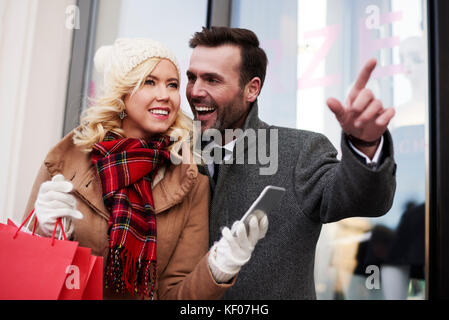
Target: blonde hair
{"x":103,"y":115}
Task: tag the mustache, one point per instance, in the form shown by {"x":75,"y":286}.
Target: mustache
{"x":207,"y":101}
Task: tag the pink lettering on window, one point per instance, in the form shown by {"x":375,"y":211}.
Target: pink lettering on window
{"x":369,"y":45}
{"x":307,"y":80}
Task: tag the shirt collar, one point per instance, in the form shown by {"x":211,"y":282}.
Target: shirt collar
{"x":229,"y":148}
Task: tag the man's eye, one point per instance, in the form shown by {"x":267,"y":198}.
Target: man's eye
{"x":212,"y":80}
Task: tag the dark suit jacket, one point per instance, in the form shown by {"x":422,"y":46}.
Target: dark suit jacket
{"x":320,"y":189}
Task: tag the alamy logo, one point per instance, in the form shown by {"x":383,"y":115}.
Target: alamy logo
{"x":251,"y":147}
{"x":72,"y":20}
{"x":372,"y":22}
{"x":373,"y":280}
{"x":72,"y":282}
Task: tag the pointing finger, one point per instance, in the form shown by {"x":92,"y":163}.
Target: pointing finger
{"x":362,"y":79}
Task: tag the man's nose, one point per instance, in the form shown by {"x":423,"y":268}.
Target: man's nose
{"x":197,"y":89}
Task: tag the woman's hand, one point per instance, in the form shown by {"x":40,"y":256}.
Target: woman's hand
{"x":235,"y":247}
{"x":55,"y":201}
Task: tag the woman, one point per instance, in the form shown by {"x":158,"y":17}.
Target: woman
{"x":112,"y":182}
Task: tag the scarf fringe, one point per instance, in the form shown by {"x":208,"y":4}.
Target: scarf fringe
{"x":127,"y":272}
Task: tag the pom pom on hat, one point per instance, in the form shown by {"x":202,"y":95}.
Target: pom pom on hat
{"x":128,"y":53}
{"x":102,"y":58}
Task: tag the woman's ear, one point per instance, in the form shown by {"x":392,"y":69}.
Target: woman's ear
{"x":252,"y":89}
{"x":125,"y":98}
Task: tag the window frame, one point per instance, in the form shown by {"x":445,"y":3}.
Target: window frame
{"x":437,"y":211}
{"x":83,"y":42}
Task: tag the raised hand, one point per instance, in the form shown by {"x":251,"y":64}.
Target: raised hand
{"x":363,"y":116}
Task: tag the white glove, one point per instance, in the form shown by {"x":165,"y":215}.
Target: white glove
{"x":54,"y":201}
{"x":235,"y":247}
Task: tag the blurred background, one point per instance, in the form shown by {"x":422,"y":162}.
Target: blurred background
{"x":315,"y":49}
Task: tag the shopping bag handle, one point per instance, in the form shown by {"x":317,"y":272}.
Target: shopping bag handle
{"x":58,"y":221}
{"x":23,"y":223}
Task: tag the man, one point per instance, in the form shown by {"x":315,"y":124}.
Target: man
{"x":225,"y":76}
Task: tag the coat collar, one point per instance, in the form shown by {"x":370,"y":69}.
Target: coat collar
{"x":172,"y":183}
{"x":252,"y":123}
{"x":252,"y":120}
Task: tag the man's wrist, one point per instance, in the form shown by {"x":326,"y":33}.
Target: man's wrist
{"x":362,"y":143}
{"x":370,"y":154}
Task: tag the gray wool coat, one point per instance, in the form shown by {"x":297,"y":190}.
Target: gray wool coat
{"x":320,"y":189}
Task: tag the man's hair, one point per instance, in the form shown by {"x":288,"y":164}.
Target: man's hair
{"x":254,"y":60}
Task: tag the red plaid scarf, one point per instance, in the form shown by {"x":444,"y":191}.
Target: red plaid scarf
{"x":126,"y":168}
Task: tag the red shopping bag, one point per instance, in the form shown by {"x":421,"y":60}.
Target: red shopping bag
{"x":84,"y":277}
{"x":77,"y":275}
{"x":94,"y":285}
{"x":32,"y":267}
{"x":74,"y":267}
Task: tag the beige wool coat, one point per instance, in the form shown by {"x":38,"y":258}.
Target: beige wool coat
{"x":181,"y":199}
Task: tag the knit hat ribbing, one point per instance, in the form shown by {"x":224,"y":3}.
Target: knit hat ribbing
{"x":127,"y":53}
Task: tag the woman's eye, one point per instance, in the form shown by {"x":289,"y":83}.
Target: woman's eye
{"x":173,"y":85}
{"x":150,"y":82}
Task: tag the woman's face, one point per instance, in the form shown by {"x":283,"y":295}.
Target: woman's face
{"x":154,"y":107}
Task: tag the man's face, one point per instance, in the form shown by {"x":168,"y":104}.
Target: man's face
{"x":213,"y":88}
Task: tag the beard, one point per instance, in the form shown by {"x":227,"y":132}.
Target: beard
{"x":228,"y":115}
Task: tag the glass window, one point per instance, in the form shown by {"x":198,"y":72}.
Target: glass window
{"x":159,"y":20}
{"x":274,"y":22}
{"x":316,"y":49}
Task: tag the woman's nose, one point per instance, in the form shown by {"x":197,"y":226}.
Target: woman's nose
{"x":162,"y":93}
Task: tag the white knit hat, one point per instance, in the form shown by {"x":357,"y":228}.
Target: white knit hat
{"x":126,"y":54}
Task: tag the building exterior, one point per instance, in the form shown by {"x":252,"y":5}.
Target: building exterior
{"x":315,"y":49}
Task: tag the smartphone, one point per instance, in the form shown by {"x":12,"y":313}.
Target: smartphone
{"x":267,"y":201}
